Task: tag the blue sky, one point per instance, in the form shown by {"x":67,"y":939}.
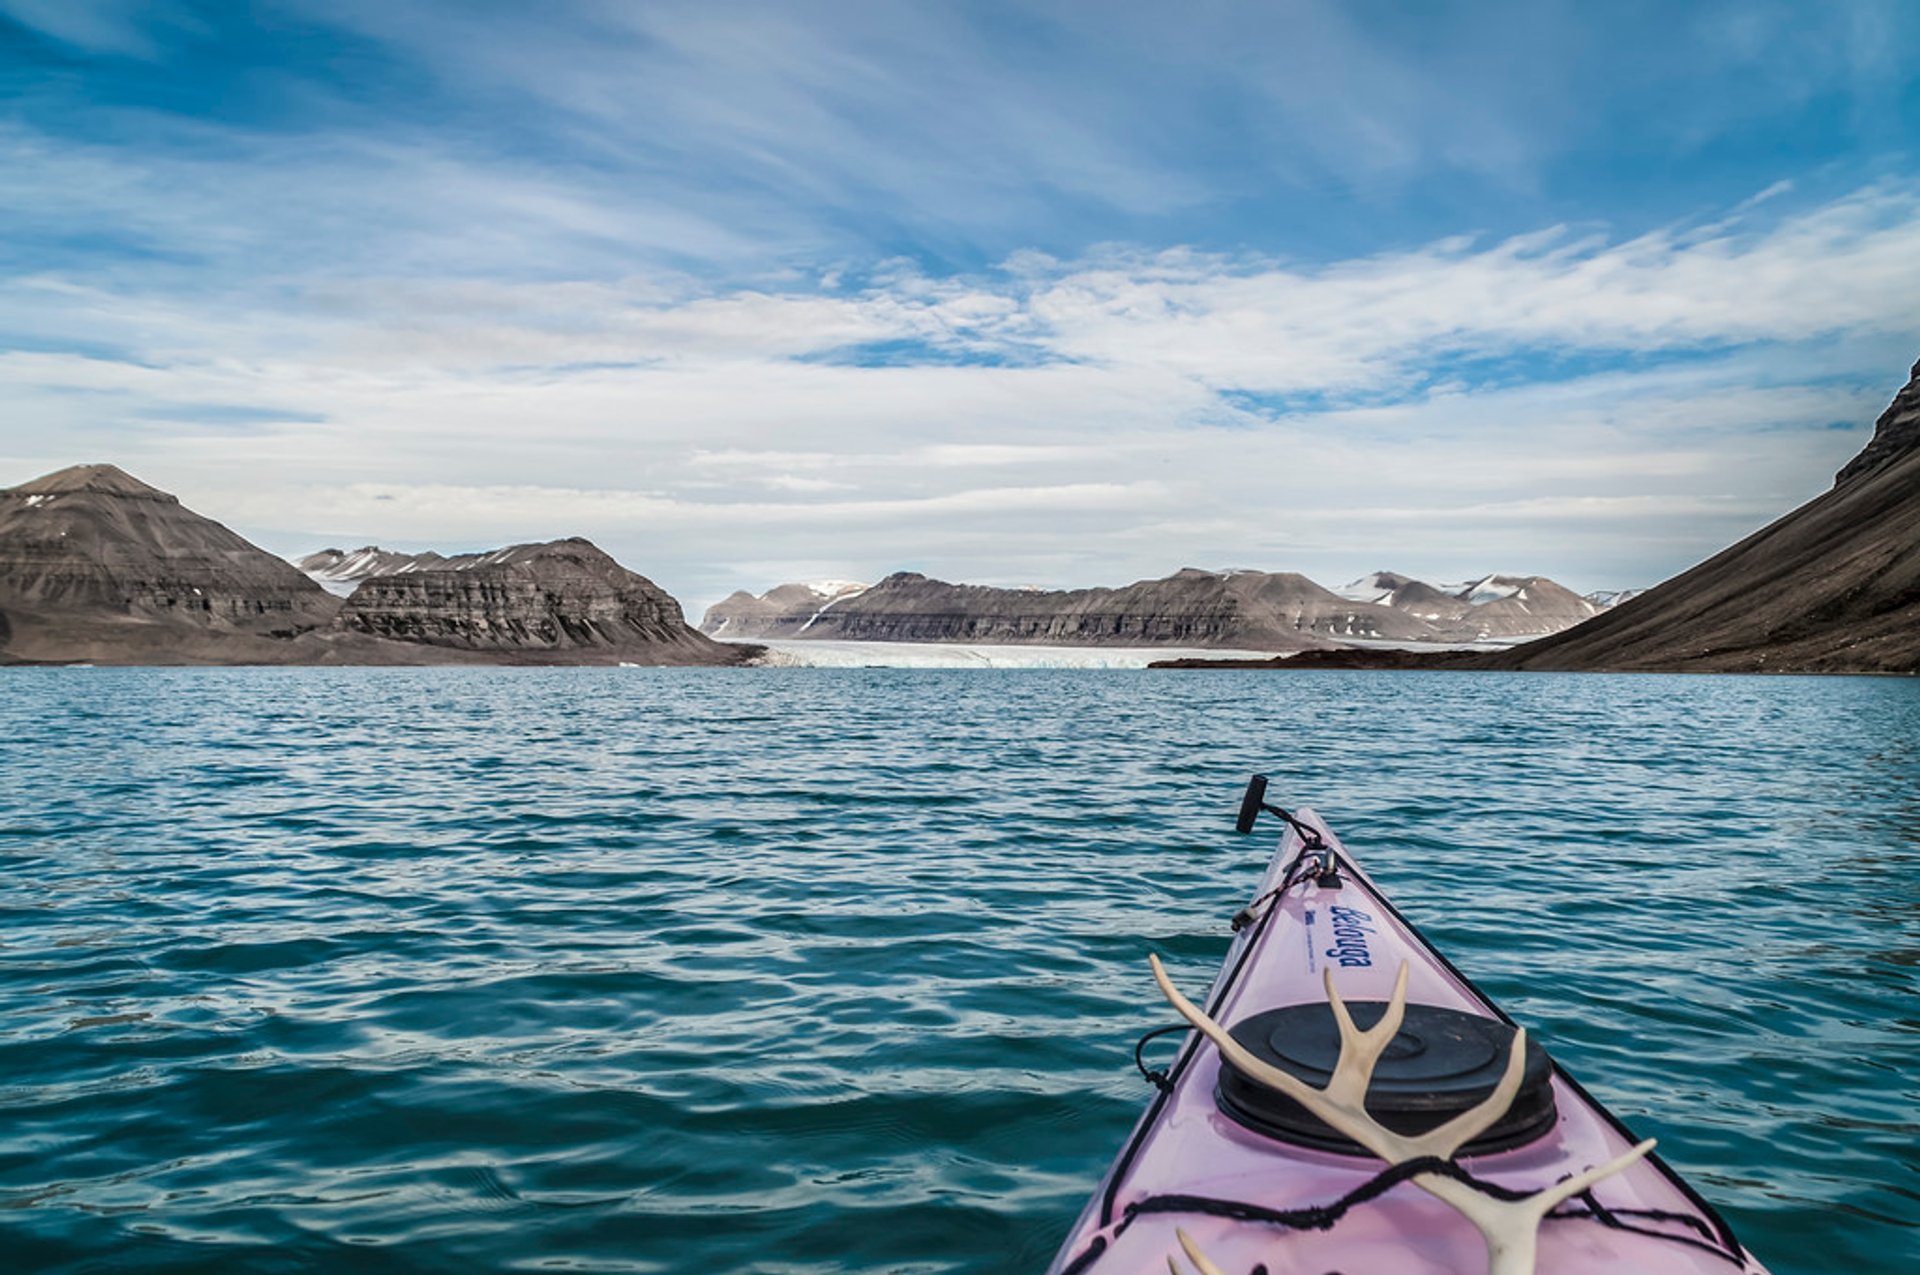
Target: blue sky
{"x":1025,"y":293}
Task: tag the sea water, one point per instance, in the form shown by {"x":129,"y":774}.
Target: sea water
{"x":839,"y":970}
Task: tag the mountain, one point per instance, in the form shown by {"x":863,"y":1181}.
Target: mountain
{"x":559,"y":597}
{"x":1246,"y":609}
{"x":785,"y":611}
{"x":340,"y":571}
{"x":1833,"y":586}
{"x":96,"y":565}
{"x":1404,"y":593}
{"x":1522,"y":606}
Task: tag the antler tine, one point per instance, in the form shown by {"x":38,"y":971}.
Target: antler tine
{"x":1201,"y":1262}
{"x":1512,"y":1227}
{"x":1360,"y":1050}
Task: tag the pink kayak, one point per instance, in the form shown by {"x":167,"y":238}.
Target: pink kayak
{"x":1452,"y":1157}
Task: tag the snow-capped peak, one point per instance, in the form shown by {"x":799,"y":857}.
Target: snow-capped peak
{"x":1377,"y":587}
{"x":835,"y":589}
{"x":1486,"y":589}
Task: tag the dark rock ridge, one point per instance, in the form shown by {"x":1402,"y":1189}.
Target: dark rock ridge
{"x":1245,"y":609}
{"x":98,"y":567}
{"x":565,"y":595}
{"x":1833,"y":586}
{"x":1895,"y":434}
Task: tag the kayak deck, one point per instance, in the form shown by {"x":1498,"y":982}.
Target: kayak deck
{"x":1190,"y":1166}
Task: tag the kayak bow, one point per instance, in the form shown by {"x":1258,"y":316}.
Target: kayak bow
{"x":1365,"y":1108}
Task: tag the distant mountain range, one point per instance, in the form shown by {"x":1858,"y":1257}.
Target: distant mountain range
{"x":1255,"y":610}
{"x":97,"y":566}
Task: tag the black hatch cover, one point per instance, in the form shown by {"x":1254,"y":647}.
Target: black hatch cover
{"x":1441,"y":1063}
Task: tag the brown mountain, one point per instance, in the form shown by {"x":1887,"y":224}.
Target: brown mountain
{"x":554,"y":598}
{"x":96,"y":565}
{"x":1832,"y":587}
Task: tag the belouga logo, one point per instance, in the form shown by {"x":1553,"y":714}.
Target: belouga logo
{"x":1350,"y":929}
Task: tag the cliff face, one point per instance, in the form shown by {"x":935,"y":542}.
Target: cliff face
{"x":563,"y":596}
{"x":1833,"y":586}
{"x":97,"y":565}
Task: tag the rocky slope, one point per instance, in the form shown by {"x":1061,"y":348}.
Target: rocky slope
{"x":97,"y":565}
{"x":562,"y":596}
{"x":1833,"y":586}
{"x":1244,"y":609}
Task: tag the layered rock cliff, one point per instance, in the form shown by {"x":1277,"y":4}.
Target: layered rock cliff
{"x":1833,"y":586}
{"x":97,"y":565}
{"x":562,"y":596}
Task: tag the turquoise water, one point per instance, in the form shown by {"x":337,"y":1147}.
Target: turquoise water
{"x":840,"y":970}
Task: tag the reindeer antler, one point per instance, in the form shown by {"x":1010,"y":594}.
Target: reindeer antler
{"x":1342,"y":1104}
{"x":1511,"y":1228}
